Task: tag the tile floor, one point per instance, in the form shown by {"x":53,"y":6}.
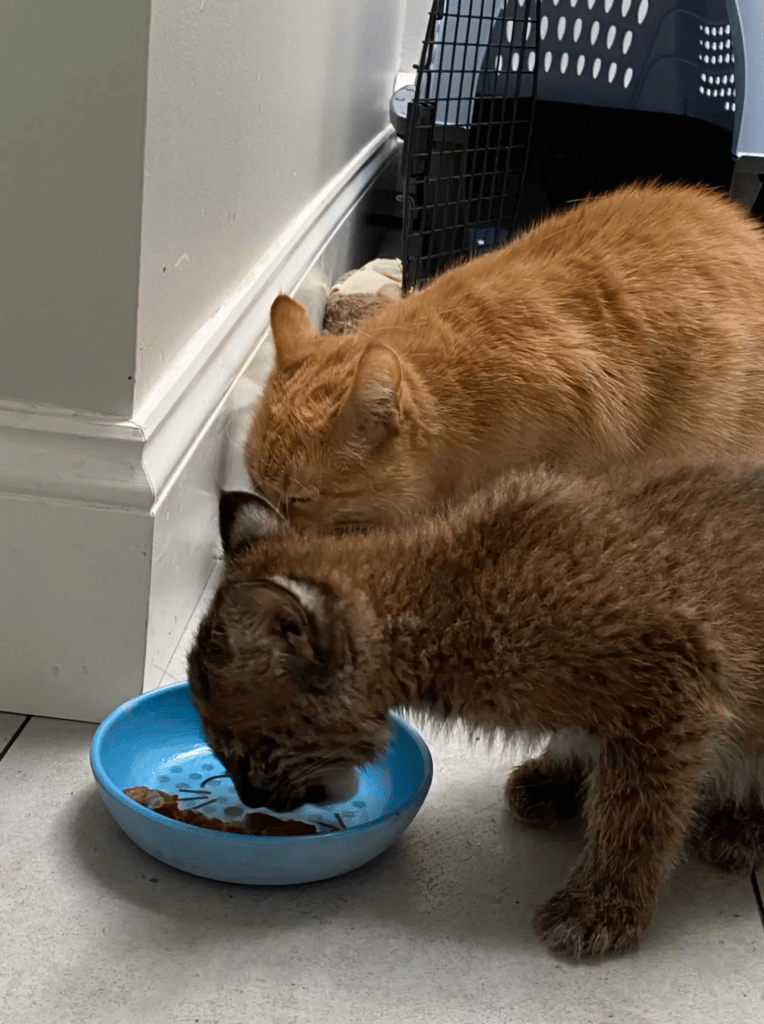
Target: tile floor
{"x":435,"y":931}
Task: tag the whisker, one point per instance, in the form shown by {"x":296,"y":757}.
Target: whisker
{"x":205,"y":803}
{"x":239,"y":445}
{"x":224,"y":775}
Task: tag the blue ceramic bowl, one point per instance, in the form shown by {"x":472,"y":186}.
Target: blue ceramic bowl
{"x":155,"y":740}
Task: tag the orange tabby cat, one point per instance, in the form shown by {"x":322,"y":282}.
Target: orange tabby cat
{"x":628,"y":328}
{"x":623,"y":618}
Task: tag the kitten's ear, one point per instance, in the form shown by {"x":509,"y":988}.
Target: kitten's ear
{"x":296,"y":618}
{"x":292,"y":331}
{"x":372,"y":410}
{"x":245,"y":518}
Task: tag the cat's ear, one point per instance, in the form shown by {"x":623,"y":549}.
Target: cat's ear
{"x":372,"y":410}
{"x":245,"y":518}
{"x":292,"y":331}
{"x":295,"y":618}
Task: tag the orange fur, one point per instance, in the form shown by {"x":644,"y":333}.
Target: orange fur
{"x":622,"y":617}
{"x":629,"y":328}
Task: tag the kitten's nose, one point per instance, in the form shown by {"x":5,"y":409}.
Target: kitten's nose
{"x":250,"y":796}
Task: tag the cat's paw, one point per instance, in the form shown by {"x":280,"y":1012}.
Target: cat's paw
{"x":581,"y":922}
{"x":731,"y":837}
{"x":542,"y":793}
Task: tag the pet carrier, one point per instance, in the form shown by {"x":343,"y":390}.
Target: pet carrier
{"x":467,"y":121}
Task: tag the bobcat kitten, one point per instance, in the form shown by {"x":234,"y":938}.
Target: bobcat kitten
{"x":623,"y":618}
{"x":627,"y":329}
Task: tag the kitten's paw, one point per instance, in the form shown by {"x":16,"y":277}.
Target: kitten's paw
{"x":731,"y":837}
{"x":543,"y":793}
{"x":579,"y":922}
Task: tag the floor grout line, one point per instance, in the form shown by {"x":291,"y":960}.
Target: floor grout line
{"x":757,"y":896}
{"x":15,"y":736}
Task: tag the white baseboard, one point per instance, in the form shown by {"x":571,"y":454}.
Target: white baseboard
{"x":113,"y":523}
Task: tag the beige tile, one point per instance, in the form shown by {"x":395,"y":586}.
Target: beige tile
{"x":8,"y":725}
{"x":436,"y":931}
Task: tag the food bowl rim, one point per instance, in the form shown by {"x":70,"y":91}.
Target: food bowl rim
{"x":104,"y":780}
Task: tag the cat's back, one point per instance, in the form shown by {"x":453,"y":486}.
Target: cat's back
{"x":643,"y":230}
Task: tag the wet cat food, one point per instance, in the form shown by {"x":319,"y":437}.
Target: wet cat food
{"x":255,"y":824}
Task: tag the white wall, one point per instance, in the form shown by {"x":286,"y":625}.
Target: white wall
{"x":414,"y":27}
{"x":136,"y":297}
{"x":252,"y":108}
{"x":72,"y":115}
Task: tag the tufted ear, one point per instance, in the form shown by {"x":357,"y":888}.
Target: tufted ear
{"x":294,"y":617}
{"x":292,"y":331}
{"x":245,"y":518}
{"x":371,"y":412}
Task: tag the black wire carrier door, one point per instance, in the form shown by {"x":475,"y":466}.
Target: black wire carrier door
{"x":468,"y":131}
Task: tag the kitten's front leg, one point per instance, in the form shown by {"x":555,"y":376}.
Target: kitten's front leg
{"x":544,"y":792}
{"x":638,"y":811}
{"x":730,"y":836}
{"x":550,"y":789}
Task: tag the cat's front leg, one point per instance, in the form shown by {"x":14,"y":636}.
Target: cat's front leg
{"x":638,"y":811}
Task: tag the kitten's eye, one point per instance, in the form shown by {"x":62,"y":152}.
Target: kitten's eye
{"x":291,"y":626}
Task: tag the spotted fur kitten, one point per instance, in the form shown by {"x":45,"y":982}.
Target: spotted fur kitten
{"x":622,"y":618}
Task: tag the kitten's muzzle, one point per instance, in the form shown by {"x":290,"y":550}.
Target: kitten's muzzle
{"x":258,"y":796}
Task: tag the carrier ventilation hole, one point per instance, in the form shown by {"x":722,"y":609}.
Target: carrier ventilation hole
{"x":561,"y":25}
{"x":625,"y":7}
{"x":628,"y":75}
{"x":531,"y":60}
{"x":580,"y":64}
{"x":595,"y":31}
{"x":564,"y":63}
{"x":611,"y":33}
{"x":515,"y":61}
{"x":642,"y":11}
{"x":627,"y":38}
{"x":509,"y":29}
{"x":547,"y":60}
{"x":611,"y":71}
{"x":596,"y":67}
{"x":577,"y":27}
{"x":544,"y":26}
{"x":609,"y":6}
